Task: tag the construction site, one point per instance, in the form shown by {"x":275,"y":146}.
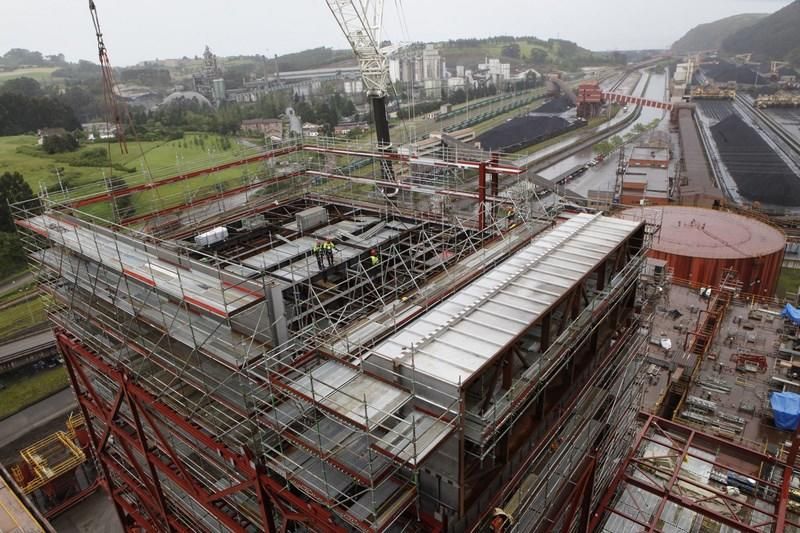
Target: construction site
{"x":461,"y":356}
{"x":352,"y":335}
{"x":236,"y":384}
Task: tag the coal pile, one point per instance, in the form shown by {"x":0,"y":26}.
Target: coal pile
{"x":715,"y":109}
{"x":556,"y":105}
{"x":760,"y":174}
{"x":724,"y":72}
{"x":521,"y":132}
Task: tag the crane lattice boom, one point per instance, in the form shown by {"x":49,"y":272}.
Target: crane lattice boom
{"x":361,"y":23}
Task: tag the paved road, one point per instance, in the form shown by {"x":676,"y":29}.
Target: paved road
{"x":16,"y":282}
{"x":37,"y":415}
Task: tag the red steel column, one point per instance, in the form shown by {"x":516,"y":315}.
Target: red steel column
{"x":783,"y":500}
{"x":495,"y":183}
{"x":481,"y":196}
{"x":67,"y":354}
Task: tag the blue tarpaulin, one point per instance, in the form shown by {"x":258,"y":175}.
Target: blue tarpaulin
{"x":785,"y":409}
{"x":791,"y":313}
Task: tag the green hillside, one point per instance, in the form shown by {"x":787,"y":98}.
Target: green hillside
{"x":711,"y":35}
{"x":774,"y":37}
{"x":524,"y":51}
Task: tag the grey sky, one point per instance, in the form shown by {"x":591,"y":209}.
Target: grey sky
{"x":146,"y":29}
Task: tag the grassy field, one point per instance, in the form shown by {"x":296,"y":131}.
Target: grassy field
{"x":18,"y":292}
{"x":788,"y":281}
{"x":22,"y":316}
{"x":37,"y":73}
{"x":469,"y":54}
{"x":157,"y":159}
{"x":29,"y":389}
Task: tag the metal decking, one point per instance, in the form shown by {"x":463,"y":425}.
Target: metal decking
{"x":457,"y":338}
{"x":195,"y":288}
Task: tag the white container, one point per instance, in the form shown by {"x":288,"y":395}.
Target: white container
{"x":212,"y":236}
{"x":311,"y":218}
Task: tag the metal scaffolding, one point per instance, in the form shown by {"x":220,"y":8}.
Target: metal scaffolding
{"x":241,"y":385}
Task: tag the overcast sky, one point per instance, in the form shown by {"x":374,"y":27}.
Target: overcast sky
{"x":137,"y":30}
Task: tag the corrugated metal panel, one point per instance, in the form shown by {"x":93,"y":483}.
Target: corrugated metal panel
{"x":454,"y":340}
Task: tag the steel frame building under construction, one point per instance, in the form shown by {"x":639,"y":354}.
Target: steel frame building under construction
{"x":488,"y":360}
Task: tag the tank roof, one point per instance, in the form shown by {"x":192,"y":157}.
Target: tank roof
{"x":708,"y":233}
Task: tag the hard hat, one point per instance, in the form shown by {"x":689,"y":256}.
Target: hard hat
{"x":373,"y":251}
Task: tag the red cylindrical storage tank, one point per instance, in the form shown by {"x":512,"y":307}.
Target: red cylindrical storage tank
{"x":700,"y":244}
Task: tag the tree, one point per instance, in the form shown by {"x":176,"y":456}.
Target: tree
{"x":56,"y":144}
{"x":123,"y":204}
{"x":538,"y":56}
{"x":457,"y":97}
{"x":530,"y":79}
{"x":18,"y":57}
{"x":24,"y":86}
{"x":603,"y":147}
{"x":13,"y":189}
{"x":511,"y":50}
{"x":12,"y":254}
{"x":22,"y":114}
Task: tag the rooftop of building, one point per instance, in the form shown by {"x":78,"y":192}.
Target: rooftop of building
{"x":655,"y":181}
{"x":646,"y":153}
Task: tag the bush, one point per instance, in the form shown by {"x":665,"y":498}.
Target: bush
{"x":56,"y":144}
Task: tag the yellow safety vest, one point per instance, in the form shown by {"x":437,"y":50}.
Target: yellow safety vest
{"x":374,"y":259}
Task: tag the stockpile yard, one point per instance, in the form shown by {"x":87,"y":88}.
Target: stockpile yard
{"x":556,"y":105}
{"x":541,"y":124}
{"x":724,"y":72}
{"x":716,"y":110}
{"x":760,"y":174}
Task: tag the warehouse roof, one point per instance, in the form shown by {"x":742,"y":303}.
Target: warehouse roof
{"x":454,"y":340}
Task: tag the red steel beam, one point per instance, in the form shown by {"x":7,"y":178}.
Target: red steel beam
{"x":393,"y":156}
{"x":668,"y":489}
{"x":209,"y":199}
{"x":409,"y":187}
{"x":109,"y":195}
{"x":313,"y":512}
{"x":619,"y":477}
{"x":651,"y":422}
{"x":688,"y":504}
{"x":783,"y":501}
{"x":155,"y":463}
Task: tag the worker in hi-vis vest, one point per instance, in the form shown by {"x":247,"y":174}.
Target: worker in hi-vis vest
{"x":373,"y":258}
{"x":319,"y":251}
{"x":329,"y":249}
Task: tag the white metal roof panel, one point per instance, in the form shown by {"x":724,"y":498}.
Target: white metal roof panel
{"x":455,"y":339}
{"x":192,"y":286}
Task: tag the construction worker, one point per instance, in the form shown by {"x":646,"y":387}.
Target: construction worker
{"x":319,"y":251}
{"x":510,"y":216}
{"x":329,"y":249}
{"x":373,"y":258}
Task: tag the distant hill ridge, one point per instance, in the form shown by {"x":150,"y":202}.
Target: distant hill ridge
{"x":774,"y":37}
{"x":710,"y":36}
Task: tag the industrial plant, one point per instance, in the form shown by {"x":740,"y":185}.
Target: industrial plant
{"x":552,"y":310}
